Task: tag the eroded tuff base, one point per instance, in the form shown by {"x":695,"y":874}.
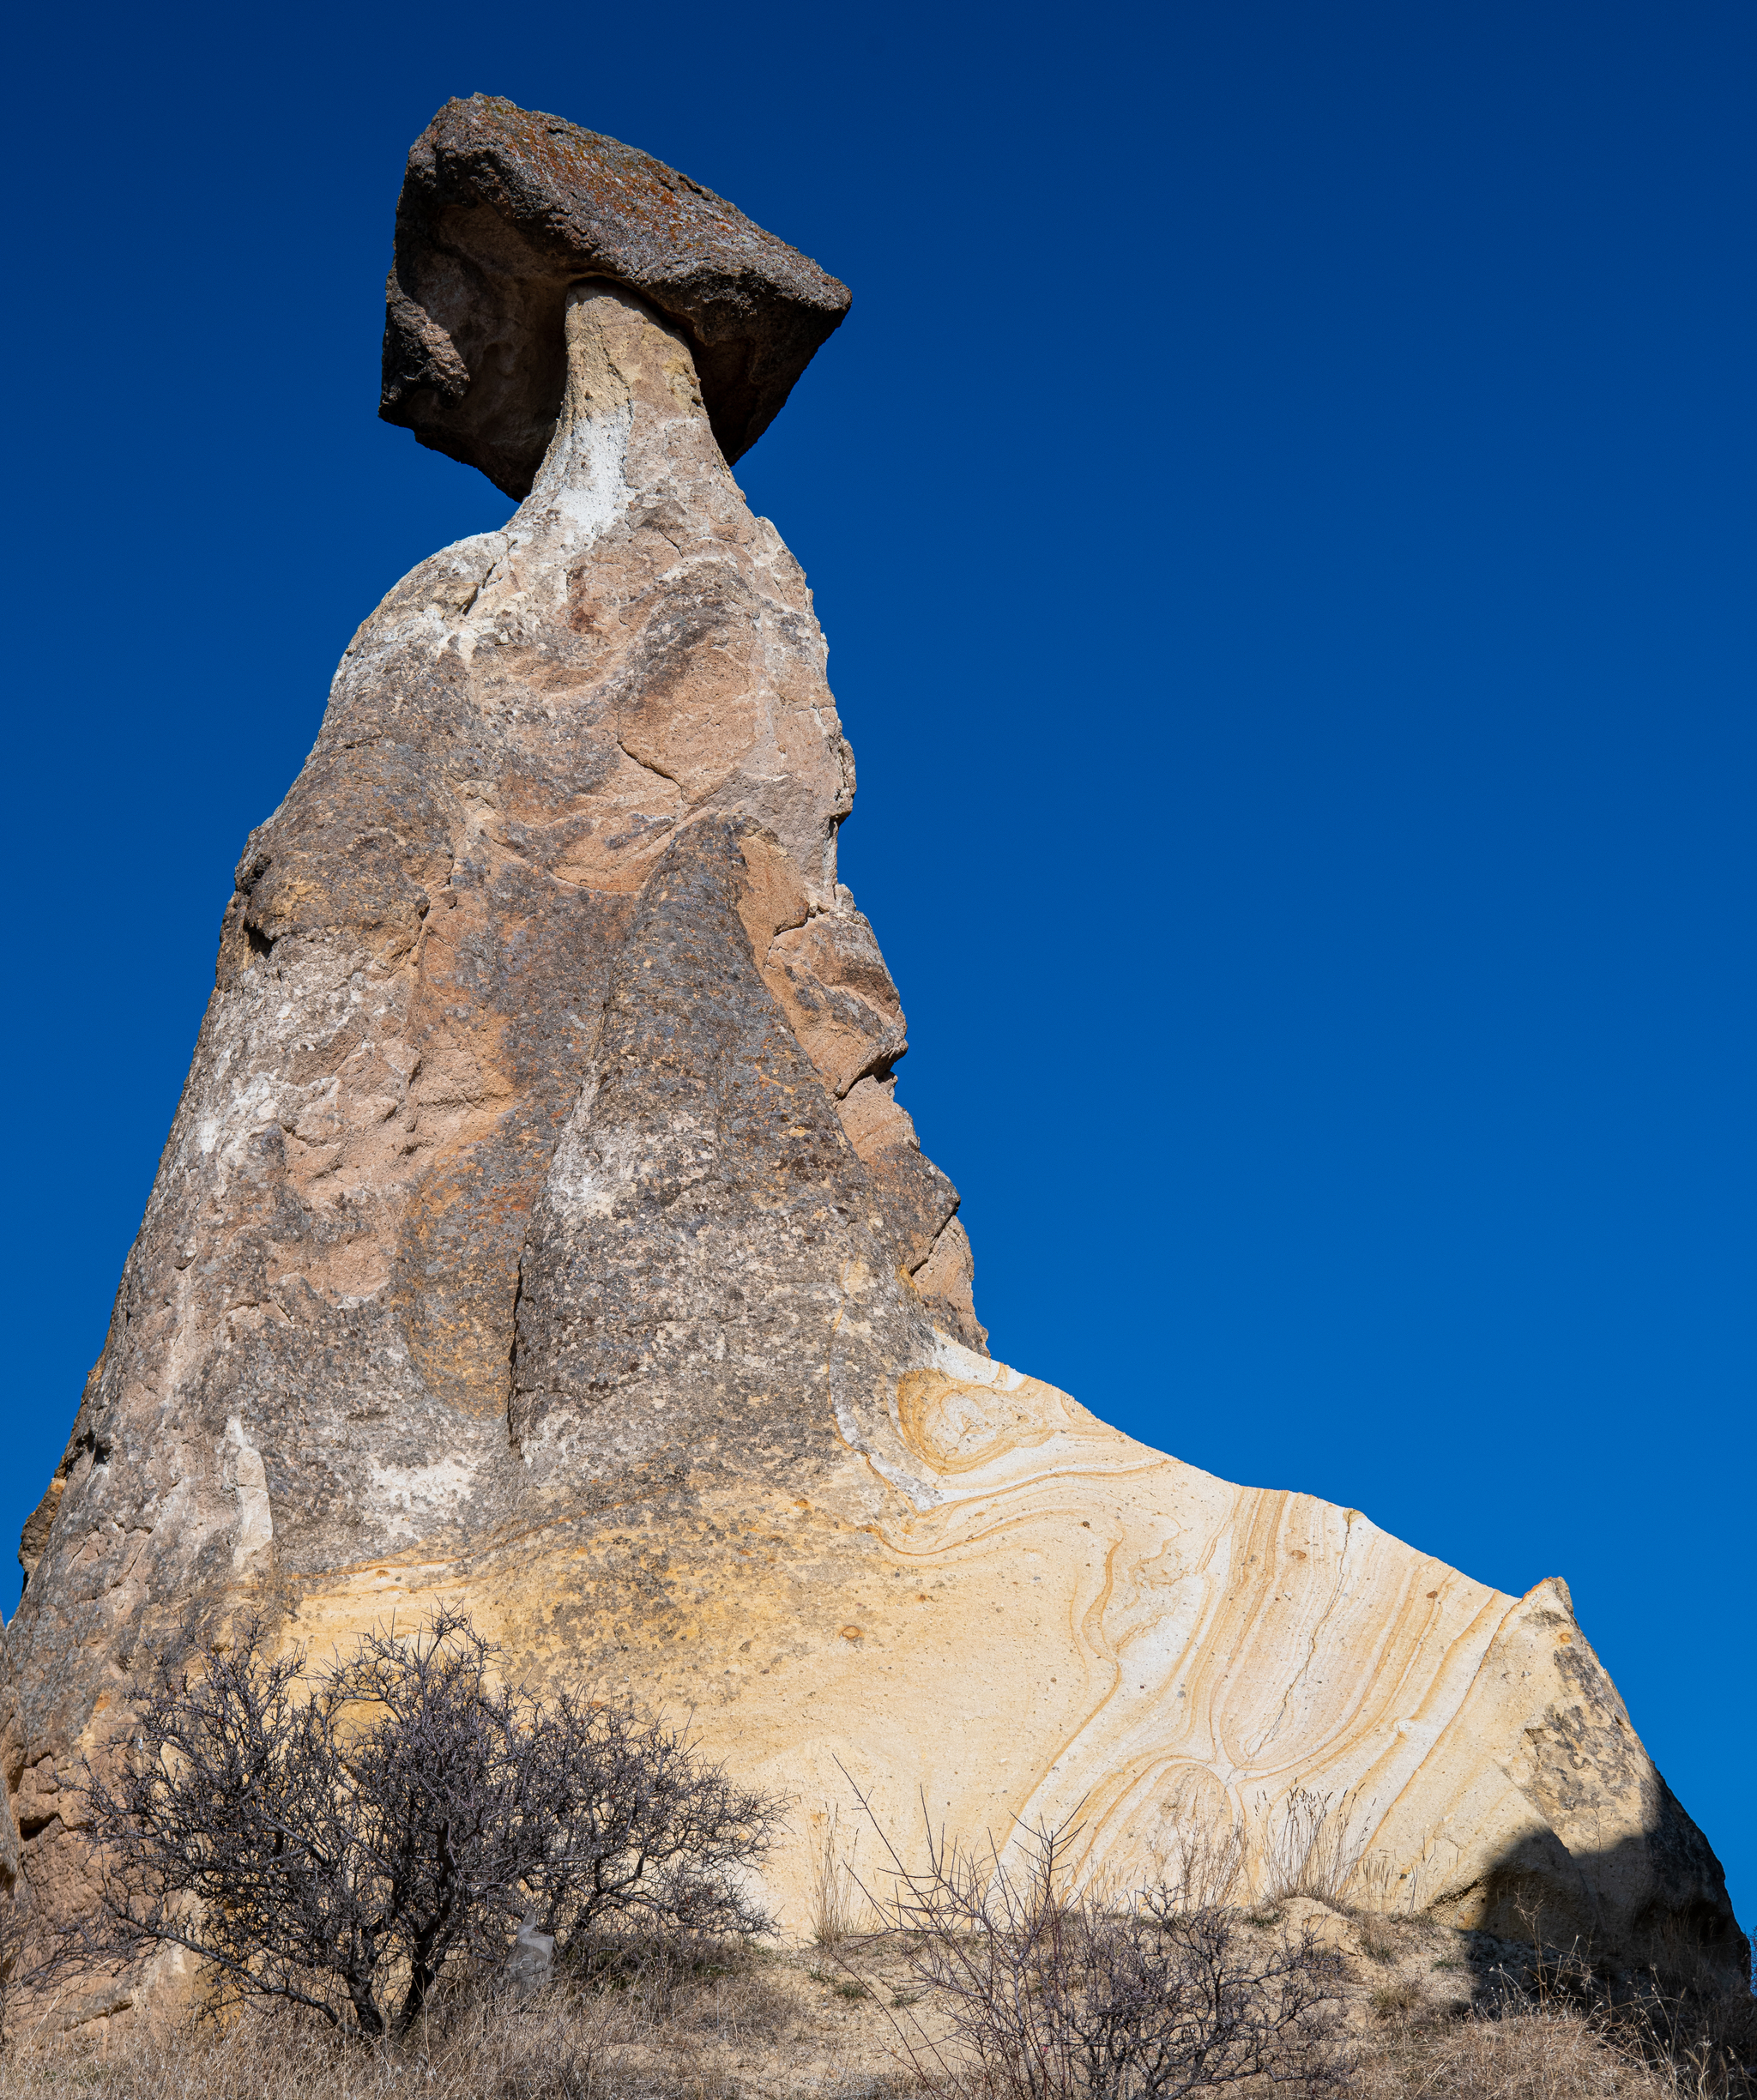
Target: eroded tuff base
{"x":539,"y":1230}
{"x":1013,"y":1613}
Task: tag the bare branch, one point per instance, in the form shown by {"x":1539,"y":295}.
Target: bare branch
{"x":312,"y":1835}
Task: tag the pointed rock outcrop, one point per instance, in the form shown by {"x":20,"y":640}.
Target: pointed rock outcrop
{"x":539,"y":1232}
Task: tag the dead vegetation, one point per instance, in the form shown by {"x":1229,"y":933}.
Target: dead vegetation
{"x":1312,"y":1848}
{"x":738,"y":2023}
{"x":653,"y":2020}
{"x":350,"y":1839}
{"x":1446,"y":2015}
{"x":968,"y":1975}
{"x":1201,"y":1863}
{"x":1027,"y":1979}
{"x":1042,"y":1990}
{"x":838,"y":1903}
{"x":1530,"y":2046}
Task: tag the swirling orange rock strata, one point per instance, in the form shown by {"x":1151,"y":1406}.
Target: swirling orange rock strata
{"x":1020,"y":1616}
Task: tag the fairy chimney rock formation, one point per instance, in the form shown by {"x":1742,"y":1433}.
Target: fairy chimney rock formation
{"x":540,"y":1231}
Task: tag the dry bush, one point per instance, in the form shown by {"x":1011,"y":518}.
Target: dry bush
{"x":1041,"y":1992}
{"x":1205,"y":1867}
{"x":341,"y":1839}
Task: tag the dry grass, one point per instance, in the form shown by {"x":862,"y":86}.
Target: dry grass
{"x":755,"y":2026}
{"x":838,"y":1904}
{"x":729,"y":2044}
{"x":548,"y":2057}
{"x":662,"y":2030}
{"x":1460,"y":2017}
{"x":1535,"y":2052}
{"x":1388,"y":1999}
{"x":1312,"y":1850}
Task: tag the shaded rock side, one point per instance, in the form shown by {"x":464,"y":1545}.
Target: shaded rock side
{"x":539,"y":1231}
{"x":502,"y":209}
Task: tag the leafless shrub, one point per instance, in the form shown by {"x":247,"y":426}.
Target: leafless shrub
{"x":1311,"y":1850}
{"x":1047,"y":1994}
{"x":335,"y":1839}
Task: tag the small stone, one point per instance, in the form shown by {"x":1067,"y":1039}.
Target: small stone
{"x":530,"y":1964}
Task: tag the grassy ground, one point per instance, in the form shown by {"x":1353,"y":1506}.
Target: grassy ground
{"x":1429,"y":2017}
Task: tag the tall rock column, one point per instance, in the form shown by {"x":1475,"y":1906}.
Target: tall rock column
{"x":539,"y":1231}
{"x":316,"y":1353}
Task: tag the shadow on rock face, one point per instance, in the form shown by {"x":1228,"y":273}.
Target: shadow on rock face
{"x":708,"y":1254}
{"x":1652,"y":1907}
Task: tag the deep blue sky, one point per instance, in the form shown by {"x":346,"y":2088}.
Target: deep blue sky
{"x":1282,"y":509}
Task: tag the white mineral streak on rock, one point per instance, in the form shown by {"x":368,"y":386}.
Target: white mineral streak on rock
{"x":409,"y":1500}
{"x":581,"y":489}
{"x":255,"y":1525}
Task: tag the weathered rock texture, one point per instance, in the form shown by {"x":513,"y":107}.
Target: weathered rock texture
{"x":539,"y":1232}
{"x":503,"y":209}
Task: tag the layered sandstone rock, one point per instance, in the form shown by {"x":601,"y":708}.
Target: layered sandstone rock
{"x":539,"y":1232}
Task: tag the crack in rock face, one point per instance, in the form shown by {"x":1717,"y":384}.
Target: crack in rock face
{"x":540,"y":1229}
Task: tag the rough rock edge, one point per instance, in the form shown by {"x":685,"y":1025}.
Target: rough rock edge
{"x":502,"y":209}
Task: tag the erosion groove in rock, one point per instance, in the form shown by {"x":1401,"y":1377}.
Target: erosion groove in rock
{"x":539,"y":1231}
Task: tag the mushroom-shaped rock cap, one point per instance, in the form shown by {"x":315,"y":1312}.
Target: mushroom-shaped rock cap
{"x":502,"y":209}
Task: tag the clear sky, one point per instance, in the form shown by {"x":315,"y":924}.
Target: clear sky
{"x":1282,"y":507}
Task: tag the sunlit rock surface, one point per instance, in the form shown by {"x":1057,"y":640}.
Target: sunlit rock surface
{"x":539,"y":1232}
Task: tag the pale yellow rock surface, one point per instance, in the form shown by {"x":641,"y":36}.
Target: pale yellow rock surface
{"x":1005,"y":1614}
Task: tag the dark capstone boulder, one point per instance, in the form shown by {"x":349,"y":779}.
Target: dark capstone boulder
{"x":502,"y":209}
